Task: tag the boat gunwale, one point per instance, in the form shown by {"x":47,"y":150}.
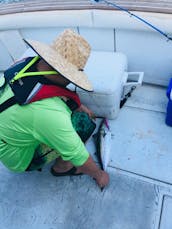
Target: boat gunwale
{"x":37,"y":5}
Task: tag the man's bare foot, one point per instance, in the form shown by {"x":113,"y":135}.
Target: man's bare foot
{"x":62,"y":166}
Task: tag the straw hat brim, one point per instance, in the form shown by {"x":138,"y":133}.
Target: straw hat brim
{"x":60,"y":64}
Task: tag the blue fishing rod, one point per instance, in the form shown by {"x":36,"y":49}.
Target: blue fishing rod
{"x":169,"y":38}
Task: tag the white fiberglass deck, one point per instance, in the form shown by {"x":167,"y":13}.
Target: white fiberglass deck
{"x":141,"y":148}
{"x":141,"y":139}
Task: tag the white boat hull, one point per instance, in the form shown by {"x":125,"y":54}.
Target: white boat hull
{"x":106,"y":30}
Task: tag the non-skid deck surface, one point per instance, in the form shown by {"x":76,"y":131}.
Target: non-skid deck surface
{"x":141,"y":140}
{"x":38,"y":200}
{"x":162,"y":6}
{"x":142,"y":144}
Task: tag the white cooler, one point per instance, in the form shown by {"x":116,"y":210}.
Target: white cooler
{"x":108,"y":73}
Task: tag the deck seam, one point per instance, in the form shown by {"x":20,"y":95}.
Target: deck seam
{"x":144,"y":178}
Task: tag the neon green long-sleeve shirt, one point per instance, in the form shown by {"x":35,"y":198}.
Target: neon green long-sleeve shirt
{"x":23,"y":128}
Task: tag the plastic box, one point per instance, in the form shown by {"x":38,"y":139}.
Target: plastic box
{"x":168,"y":119}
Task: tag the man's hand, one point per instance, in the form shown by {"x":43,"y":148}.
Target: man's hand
{"x":90,"y":168}
{"x":102,"y":179}
{"x":86,"y":110}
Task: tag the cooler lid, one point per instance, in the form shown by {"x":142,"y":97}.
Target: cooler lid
{"x":106,"y":70}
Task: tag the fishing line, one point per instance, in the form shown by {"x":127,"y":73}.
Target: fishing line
{"x":169,"y":38}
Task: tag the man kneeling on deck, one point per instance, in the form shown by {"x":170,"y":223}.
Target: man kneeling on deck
{"x":36,"y":109}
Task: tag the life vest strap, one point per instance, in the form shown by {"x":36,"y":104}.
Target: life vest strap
{"x":8,"y":103}
{"x":23,"y":72}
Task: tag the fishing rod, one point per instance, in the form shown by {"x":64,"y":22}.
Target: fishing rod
{"x":169,"y":38}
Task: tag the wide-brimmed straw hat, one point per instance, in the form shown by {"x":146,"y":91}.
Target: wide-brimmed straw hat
{"x":68,"y":55}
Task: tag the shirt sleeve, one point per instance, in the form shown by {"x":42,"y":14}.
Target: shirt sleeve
{"x":54,"y":128}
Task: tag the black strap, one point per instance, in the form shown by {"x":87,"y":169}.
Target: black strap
{"x":8,"y":103}
{"x":124,"y":100}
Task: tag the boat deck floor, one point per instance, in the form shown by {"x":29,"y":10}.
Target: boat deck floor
{"x":19,"y":6}
{"x":140,"y":192}
{"x":141,"y":139}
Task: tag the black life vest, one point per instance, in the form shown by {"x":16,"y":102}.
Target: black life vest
{"x":32,"y":88}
